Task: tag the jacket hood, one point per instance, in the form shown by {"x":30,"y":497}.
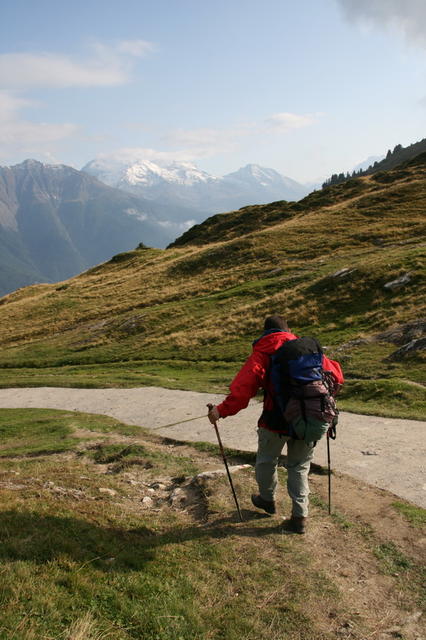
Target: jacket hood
{"x":270,"y":342}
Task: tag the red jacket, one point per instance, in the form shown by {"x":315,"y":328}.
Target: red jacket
{"x":253,"y":376}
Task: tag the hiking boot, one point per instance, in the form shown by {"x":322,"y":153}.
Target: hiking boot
{"x":296,"y":524}
{"x":260,"y":503}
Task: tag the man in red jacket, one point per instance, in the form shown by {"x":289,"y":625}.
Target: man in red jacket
{"x":253,"y":376}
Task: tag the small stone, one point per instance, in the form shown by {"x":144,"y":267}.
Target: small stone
{"x":157,"y":485}
{"x":177,"y":497}
{"x":222,"y":472}
{"x":147,"y":501}
{"x":342,"y":272}
{"x":150,"y":490}
{"x":399,"y":282}
{"x":107,"y":492}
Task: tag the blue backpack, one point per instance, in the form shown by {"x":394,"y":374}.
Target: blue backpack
{"x":303,"y":391}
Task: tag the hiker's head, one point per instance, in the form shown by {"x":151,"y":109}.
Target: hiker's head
{"x":275,"y":322}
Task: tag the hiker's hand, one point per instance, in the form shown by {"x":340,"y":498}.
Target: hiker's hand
{"x":213,"y":414}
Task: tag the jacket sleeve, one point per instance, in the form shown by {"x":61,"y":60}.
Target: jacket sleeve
{"x":245,"y":385}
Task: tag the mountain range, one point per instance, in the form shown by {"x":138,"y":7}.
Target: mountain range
{"x":185,"y":184}
{"x":56,"y":221}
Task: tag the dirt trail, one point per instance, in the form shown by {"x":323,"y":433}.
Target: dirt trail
{"x":387,"y":453}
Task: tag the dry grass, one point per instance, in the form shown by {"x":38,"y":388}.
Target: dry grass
{"x":84,"y":628}
{"x":206,"y":302}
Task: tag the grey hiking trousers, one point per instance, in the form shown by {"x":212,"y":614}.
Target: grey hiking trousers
{"x":299,"y":456}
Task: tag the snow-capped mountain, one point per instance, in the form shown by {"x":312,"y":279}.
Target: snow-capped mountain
{"x":146,"y":173}
{"x":183,"y":183}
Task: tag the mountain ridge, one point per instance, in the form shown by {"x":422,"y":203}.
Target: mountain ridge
{"x":184,"y":182}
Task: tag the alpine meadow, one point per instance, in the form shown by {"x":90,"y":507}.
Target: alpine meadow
{"x":343,"y":264}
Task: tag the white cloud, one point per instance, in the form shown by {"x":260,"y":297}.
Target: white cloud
{"x":406,"y":16}
{"x":20,"y":135}
{"x":10,"y":104}
{"x":136,"y":48}
{"x":284,"y":122}
{"x":130,"y":155}
{"x":104,"y":66}
{"x":205,"y":142}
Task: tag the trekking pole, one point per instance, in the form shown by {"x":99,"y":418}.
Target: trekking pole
{"x":329,"y":474}
{"x":210,"y":406}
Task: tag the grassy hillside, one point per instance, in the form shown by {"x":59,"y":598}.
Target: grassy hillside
{"x":185,"y":317}
{"x":109,"y":533}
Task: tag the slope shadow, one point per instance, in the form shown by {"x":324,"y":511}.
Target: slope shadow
{"x":41,"y":539}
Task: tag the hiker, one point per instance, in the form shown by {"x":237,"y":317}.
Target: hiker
{"x":273,"y":430}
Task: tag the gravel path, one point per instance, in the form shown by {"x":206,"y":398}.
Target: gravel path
{"x":388,"y":453}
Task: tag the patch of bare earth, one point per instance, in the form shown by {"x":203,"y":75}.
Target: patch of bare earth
{"x":366,"y":520}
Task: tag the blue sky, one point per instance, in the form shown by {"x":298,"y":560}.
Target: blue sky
{"x":308,"y":88}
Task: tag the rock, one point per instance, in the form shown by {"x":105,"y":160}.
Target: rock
{"x":342,"y":273}
{"x":158,"y":485}
{"x":408,"y":349}
{"x":107,"y":492}
{"x":353,"y":343}
{"x":178,"y":497}
{"x":147,"y":502}
{"x":399,"y":282}
{"x":404,"y":333}
{"x":12,"y":486}
{"x":221,"y":472}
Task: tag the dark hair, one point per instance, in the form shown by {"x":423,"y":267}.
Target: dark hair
{"x":275,"y":322}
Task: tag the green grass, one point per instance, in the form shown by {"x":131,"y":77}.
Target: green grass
{"x":415,"y":515}
{"x":388,"y":398}
{"x":21,"y":434}
{"x":172,"y":374}
{"x":92,"y":567}
{"x":391,"y":559}
{"x":34,"y":432}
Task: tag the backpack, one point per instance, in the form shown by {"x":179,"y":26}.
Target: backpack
{"x":303,"y":391}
